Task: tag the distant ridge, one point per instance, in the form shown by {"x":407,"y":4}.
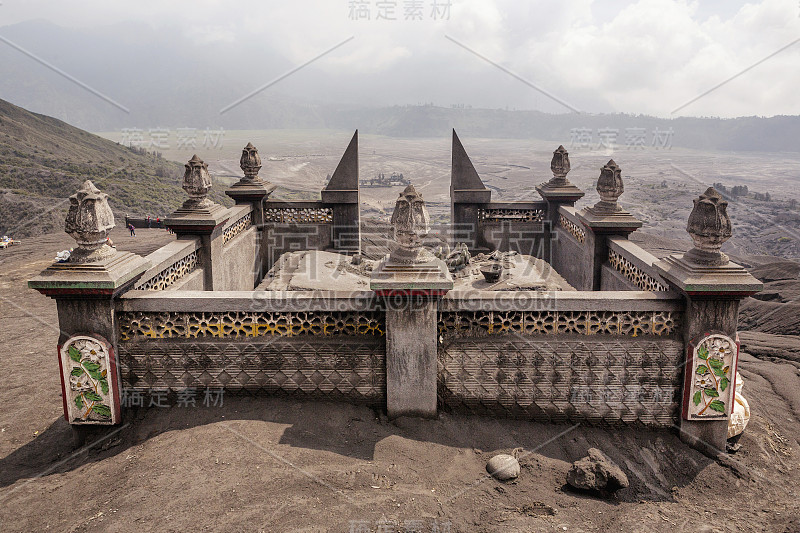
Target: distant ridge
{"x":44,"y":160}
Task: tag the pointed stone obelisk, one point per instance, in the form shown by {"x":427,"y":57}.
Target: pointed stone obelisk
{"x":342,"y":194}
{"x":467,"y":195}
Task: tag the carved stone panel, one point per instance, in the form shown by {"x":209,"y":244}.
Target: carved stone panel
{"x":710,"y":377}
{"x":89,"y":380}
{"x":609,"y":380}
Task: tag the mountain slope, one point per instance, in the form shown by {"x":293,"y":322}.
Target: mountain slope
{"x":44,"y":160}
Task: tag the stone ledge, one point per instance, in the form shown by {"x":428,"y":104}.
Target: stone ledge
{"x":104,"y":278}
{"x":700,"y":280}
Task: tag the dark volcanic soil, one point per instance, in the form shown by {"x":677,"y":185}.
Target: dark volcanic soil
{"x":261,"y":464}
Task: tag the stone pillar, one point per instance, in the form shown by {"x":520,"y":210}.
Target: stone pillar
{"x":557,"y":192}
{"x":199,"y":216}
{"x":341,"y":194}
{"x":251,"y":189}
{"x":468,"y":195}
{"x":84,"y":288}
{"x":411,"y":280}
{"x":604,"y":219}
{"x":713,"y":287}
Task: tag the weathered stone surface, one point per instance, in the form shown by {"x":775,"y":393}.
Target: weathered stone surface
{"x":410,"y":226}
{"x":250,"y":162}
{"x":596,"y":472}
{"x":610,"y":188}
{"x":503,"y":467}
{"x":89,"y":220}
{"x":560,"y":166}
{"x":197,"y":183}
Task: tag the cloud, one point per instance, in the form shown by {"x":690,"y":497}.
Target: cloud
{"x":645,"y":56}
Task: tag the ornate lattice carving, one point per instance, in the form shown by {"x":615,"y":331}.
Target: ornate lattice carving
{"x":137,"y":325}
{"x":298,"y":215}
{"x":574,"y":229}
{"x":342,"y":368}
{"x":171,"y":274}
{"x":633,"y":273}
{"x":236,"y":228}
{"x":503,"y":215}
{"x":457,"y":324}
{"x":602,"y":381}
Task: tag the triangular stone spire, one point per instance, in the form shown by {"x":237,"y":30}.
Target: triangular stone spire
{"x":345,"y":177}
{"x":463,"y":175}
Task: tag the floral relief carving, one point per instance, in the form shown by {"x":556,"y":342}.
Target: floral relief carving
{"x":709,"y":385}
{"x":89,"y":381}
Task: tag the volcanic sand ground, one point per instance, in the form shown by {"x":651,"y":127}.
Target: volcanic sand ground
{"x":261,"y":464}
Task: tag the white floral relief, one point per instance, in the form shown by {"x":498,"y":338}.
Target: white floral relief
{"x":88,"y":381}
{"x":710,"y":383}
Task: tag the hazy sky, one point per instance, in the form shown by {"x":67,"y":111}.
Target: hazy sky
{"x":647,"y":56}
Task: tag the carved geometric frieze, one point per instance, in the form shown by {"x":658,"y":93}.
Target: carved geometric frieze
{"x":603,"y":381}
{"x":298,"y":215}
{"x":340,"y":368}
{"x":455,"y":324}
{"x":191,"y":325}
{"x":89,"y":380}
{"x":710,"y":377}
{"x":502,"y":215}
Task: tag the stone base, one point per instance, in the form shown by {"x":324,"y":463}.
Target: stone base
{"x":432,"y":275}
{"x":697,"y":279}
{"x":197,"y":221}
{"x":562,"y":193}
{"x":601,"y":221}
{"x":706,"y":436}
{"x":246,"y":191}
{"x":102,"y":278}
{"x":411,"y":358}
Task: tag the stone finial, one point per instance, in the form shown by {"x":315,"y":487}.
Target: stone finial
{"x":89,"y":220}
{"x":410,"y":225}
{"x":709,"y":226}
{"x":250,"y":162}
{"x":197,"y":183}
{"x":560,"y":166}
{"x":610,"y":188}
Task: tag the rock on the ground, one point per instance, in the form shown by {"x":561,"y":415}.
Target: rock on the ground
{"x":503,"y":467}
{"x":596,"y":472}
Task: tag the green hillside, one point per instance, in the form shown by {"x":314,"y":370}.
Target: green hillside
{"x":44,"y":160}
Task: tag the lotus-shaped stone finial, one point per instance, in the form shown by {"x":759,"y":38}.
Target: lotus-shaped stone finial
{"x":560,"y":166}
{"x":197,"y":183}
{"x":610,"y":188}
{"x":250,"y":162}
{"x":709,"y":226}
{"x":410,"y":225}
{"x":89,"y":220}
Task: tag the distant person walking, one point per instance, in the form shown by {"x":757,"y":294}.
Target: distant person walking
{"x":158,"y":222}
{"x":133,"y":230}
{"x":148,"y":221}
